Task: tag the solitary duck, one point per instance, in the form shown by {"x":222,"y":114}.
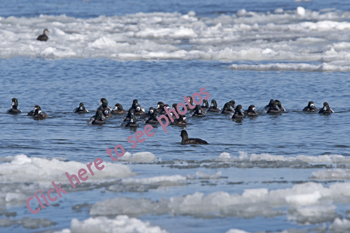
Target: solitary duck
{"x":14,"y":109}
{"x":118,"y":109}
{"x":214,"y":107}
{"x":81,"y":109}
{"x":43,"y":37}
{"x":39,"y":115}
{"x":186,"y":140}
{"x":310,"y":107}
{"x":251,"y":111}
{"x":326,"y":109}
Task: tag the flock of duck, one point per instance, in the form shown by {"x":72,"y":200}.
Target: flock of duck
{"x":104,"y":111}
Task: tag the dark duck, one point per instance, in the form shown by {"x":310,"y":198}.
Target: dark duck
{"x":228,"y":108}
{"x":99,"y":118}
{"x":191,"y":103}
{"x":274,"y":108}
{"x":105,"y":108}
{"x":31,"y":113}
{"x":160,"y":107}
{"x":81,"y":109}
{"x":251,"y":111}
{"x":43,"y":37}
{"x":14,"y":109}
{"x":118,"y":109}
{"x":39,"y":115}
{"x":214,"y":107}
{"x":310,"y":107}
{"x":132,"y":121}
{"x":198,"y":112}
{"x":138,"y":110}
{"x":152,"y":119}
{"x":205,"y":104}
{"x":238,"y":112}
{"x":269,"y":105}
{"x":279,"y":105}
{"x":163,"y":109}
{"x":326,"y":109}
{"x":185,"y":140}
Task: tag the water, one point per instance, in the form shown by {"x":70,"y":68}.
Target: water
{"x":267,"y":174}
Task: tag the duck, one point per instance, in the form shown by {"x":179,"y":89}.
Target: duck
{"x":228,"y":108}
{"x":205,"y":104}
{"x":98,"y":119}
{"x":43,"y":37}
{"x":149,"y":113}
{"x":181,"y":121}
{"x":214,"y":106}
{"x":105,"y":108}
{"x":310,"y":107}
{"x":326,"y":109}
{"x":131,"y":113}
{"x":14,"y":109}
{"x":185,"y":140}
{"x":269,"y":105}
{"x":191,"y":102}
{"x":198,"y":112}
{"x":132,"y":122}
{"x":31,"y":113}
{"x":39,"y":115}
{"x":152,"y":119}
{"x":251,"y":111}
{"x":238,"y":112}
{"x":138,"y":110}
{"x":118,"y":109}
{"x":81,"y":109}
{"x":160,"y":107}
{"x":163,"y":109}
{"x":274,"y":108}
{"x":279,"y":105}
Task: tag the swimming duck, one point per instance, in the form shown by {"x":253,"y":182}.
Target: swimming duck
{"x":159,"y":108}
{"x":214,"y":107}
{"x":228,"y":108}
{"x":98,"y":119}
{"x":118,"y":109}
{"x":81,"y":109}
{"x":152,"y":119}
{"x":31,"y":113}
{"x":14,"y":109}
{"x":129,"y":115}
{"x":310,"y":107}
{"x":205,"y":104}
{"x":132,"y":122}
{"x":267,"y":107}
{"x":198,"y":112}
{"x":279,"y":105}
{"x":251,"y":111}
{"x":43,"y":37}
{"x":181,"y":121}
{"x":274,"y":108}
{"x":191,"y":102}
{"x":39,"y":115}
{"x":149,"y":113}
{"x":185,"y":140}
{"x":238,"y":112}
{"x":162,"y":111}
{"x":106,"y":110}
{"x":326,"y":109}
